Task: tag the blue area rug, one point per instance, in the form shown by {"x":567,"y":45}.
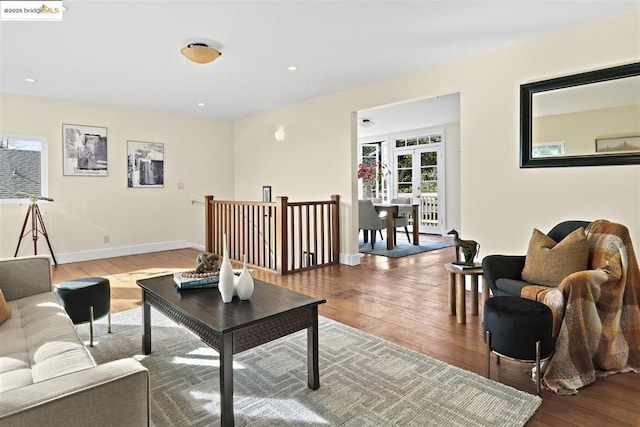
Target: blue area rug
{"x":402,"y":248}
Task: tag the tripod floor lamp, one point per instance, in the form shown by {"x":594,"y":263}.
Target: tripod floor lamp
{"x":33,"y":211}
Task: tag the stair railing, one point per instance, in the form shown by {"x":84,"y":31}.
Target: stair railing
{"x":281,"y":236}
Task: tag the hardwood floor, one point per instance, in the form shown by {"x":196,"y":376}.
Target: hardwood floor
{"x":403,"y":300}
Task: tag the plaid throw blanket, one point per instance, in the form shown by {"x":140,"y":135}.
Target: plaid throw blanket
{"x":596,"y":313}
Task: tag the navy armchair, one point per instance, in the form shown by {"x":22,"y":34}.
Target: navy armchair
{"x":503,"y":273}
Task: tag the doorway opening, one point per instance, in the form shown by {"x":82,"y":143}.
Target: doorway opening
{"x":415,"y":148}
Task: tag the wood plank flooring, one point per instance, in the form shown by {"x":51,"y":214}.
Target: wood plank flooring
{"x":403,"y":300}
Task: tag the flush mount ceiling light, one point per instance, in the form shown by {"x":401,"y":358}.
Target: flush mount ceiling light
{"x":200,"y":53}
{"x":367,"y":123}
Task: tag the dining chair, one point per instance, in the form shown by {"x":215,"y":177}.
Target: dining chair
{"x":380,"y":214}
{"x":401,"y":219}
{"x":368,"y":220}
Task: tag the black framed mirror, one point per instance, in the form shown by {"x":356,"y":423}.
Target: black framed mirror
{"x":586,"y":119}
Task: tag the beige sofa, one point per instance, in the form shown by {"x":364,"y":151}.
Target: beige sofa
{"x":47,"y":376}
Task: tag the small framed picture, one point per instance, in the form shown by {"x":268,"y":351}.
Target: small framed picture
{"x":145,"y":164}
{"x":266,"y":193}
{"x":84,"y":150}
{"x":628,"y":144}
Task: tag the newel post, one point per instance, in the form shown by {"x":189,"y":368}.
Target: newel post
{"x":335,"y":227}
{"x":281,"y":235}
{"x":208,"y":223}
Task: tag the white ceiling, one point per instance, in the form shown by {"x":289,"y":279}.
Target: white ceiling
{"x":424,"y":113}
{"x":128,"y":53}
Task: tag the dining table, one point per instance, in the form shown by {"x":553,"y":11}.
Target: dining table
{"x":391,"y":211}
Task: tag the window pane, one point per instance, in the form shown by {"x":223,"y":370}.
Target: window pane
{"x":400,"y":143}
{"x":423,"y":140}
{"x":429,"y":174}
{"x":20,"y":167}
{"x":546,"y":150}
{"x":405,"y":161}
{"x":405,"y":175}
{"x":429,"y":187}
{"x":428,"y":159}
{"x":412,"y":141}
{"x":436,"y":138}
{"x":368,"y":151}
{"x":405,"y":189}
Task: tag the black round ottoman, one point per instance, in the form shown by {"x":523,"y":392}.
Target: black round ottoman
{"x":519,"y":329}
{"x":85,"y":300}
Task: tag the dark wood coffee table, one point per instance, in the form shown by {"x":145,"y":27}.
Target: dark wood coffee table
{"x":272,"y":312}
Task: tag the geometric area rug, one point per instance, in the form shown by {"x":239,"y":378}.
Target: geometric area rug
{"x":364,"y":380}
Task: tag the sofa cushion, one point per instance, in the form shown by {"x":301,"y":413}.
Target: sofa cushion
{"x":511,"y":286}
{"x":5,"y":310}
{"x":548,"y":263}
{"x":39,"y":342}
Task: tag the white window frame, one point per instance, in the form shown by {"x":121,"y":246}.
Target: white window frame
{"x":44,"y":172}
{"x":384,"y":158}
{"x":439,"y":147}
{"x":416,"y":133}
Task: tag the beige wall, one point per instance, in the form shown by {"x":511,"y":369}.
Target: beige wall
{"x":500,"y":203}
{"x":198,"y":153}
{"x":512,"y":200}
{"x":580,"y":130}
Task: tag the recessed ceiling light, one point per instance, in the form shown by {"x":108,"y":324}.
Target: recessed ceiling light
{"x":30,"y":80}
{"x":292,"y":68}
{"x":201,"y":104}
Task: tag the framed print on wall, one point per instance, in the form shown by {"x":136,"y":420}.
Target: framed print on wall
{"x":266,"y":193}
{"x":84,"y":150}
{"x":145,"y":164}
{"x":627,"y":144}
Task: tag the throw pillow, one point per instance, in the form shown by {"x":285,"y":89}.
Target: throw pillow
{"x":548,"y":263}
{"x":5,"y":310}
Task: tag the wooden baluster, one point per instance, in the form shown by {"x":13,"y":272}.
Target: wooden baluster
{"x":281,"y":235}
{"x":335,"y":229}
{"x":208,"y":223}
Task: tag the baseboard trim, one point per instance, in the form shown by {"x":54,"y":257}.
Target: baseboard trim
{"x":350,"y":259}
{"x":124,"y":251}
{"x":346,"y":259}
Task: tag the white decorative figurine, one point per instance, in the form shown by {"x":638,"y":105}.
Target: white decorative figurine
{"x":226,"y":284}
{"x":244,"y":285}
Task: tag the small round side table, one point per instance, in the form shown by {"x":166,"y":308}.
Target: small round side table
{"x":457,"y":303}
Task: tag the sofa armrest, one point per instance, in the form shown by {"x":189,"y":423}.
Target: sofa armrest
{"x":25,"y":276}
{"x":111,"y":394}
{"x":496,"y":267}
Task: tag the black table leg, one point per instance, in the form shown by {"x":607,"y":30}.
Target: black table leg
{"x":146,"y":325}
{"x":226,"y":381}
{"x":313,"y":370}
